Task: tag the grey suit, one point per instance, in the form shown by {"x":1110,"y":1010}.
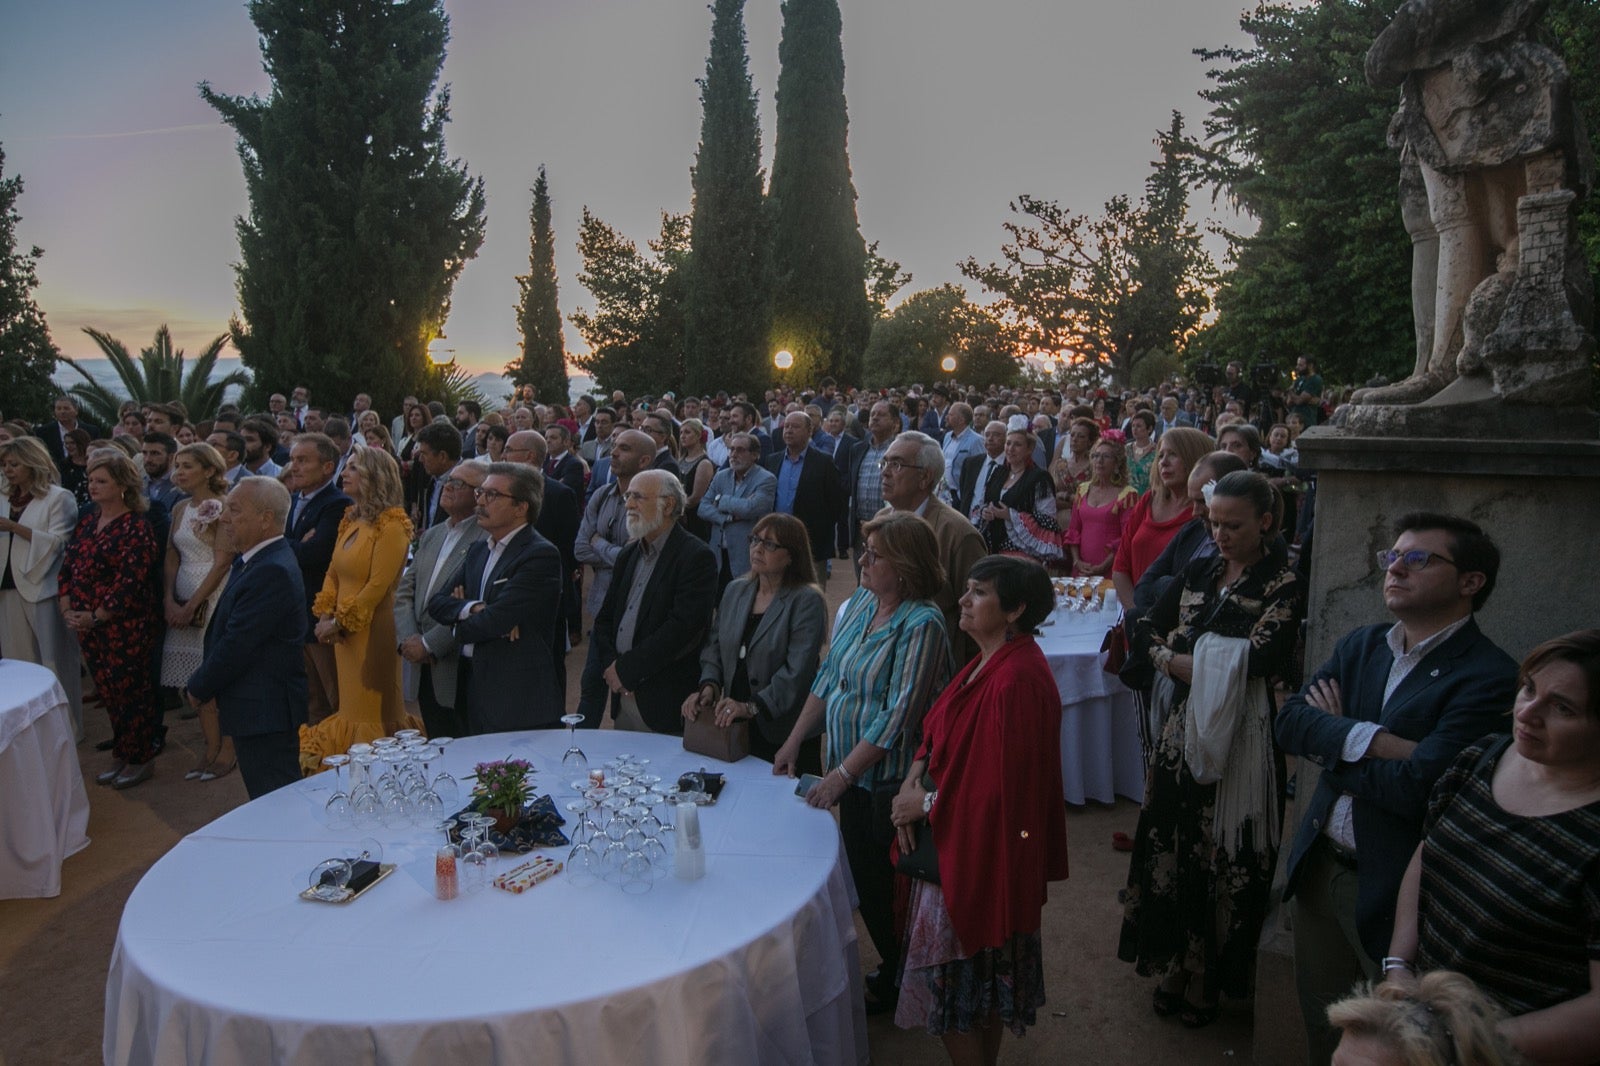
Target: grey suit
{"x":733,"y":508}
{"x":781,"y":659}
{"x":411,"y":619}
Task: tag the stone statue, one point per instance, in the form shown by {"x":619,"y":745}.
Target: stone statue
{"x":1493,"y":159}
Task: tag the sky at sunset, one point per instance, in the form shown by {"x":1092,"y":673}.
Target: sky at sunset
{"x":133,"y":185}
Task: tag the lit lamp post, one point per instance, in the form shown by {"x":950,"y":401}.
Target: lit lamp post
{"x":783,"y":359}
{"x":948,"y":364}
{"x":438,"y":354}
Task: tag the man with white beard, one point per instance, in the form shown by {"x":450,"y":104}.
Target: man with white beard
{"x":644,"y":658}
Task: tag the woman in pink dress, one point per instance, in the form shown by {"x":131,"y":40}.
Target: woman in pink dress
{"x":1101,"y":509}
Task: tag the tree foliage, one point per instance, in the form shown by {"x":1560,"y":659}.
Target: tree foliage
{"x":820,"y":307}
{"x":1112,"y":290}
{"x":910,"y":342}
{"x":156,"y":376}
{"x":27,"y":354}
{"x":728,"y":284}
{"x":544,"y":352}
{"x":636,"y":331}
{"x":884,"y":279}
{"x":359,"y":224}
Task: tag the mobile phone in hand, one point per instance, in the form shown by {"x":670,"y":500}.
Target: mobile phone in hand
{"x":806,"y":783}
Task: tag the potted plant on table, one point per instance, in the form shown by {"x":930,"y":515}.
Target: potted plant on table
{"x":502,"y":790}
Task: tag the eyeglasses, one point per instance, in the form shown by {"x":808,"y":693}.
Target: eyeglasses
{"x":897,"y":464}
{"x":868,"y":557}
{"x":455,"y":483}
{"x":763,"y":542}
{"x":490,"y":495}
{"x":1415,"y":559}
{"x":638,"y":497}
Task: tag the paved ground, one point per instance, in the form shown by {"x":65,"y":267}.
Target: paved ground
{"x":54,"y":954}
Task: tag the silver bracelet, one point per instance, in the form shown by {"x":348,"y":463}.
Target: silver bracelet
{"x":849,"y":777}
{"x":1395,"y":962}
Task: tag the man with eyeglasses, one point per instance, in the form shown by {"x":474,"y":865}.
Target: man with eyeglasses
{"x":560,"y":518}
{"x":644,"y":652}
{"x":501,"y":604}
{"x":735,"y":501}
{"x":311,"y":529}
{"x":428,"y":645}
{"x":1384,"y":717}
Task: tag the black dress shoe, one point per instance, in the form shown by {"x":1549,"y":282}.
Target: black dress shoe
{"x":106,"y":745}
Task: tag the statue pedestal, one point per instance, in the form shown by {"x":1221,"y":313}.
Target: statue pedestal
{"x":1538,"y":499}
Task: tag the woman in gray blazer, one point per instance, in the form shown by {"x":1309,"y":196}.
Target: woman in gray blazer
{"x":763,"y":651}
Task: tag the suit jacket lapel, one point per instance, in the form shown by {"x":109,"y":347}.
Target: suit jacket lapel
{"x":778,"y":607}
{"x":1436,"y":664}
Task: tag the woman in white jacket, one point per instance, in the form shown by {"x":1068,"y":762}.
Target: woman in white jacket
{"x":35,"y":523}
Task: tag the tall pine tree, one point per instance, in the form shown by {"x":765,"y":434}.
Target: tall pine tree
{"x":728,"y":307}
{"x":820,"y":307}
{"x":544,"y":355}
{"x":27,"y":354}
{"x":359,"y":224}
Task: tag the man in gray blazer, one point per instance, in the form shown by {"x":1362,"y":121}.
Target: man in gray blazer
{"x":734,"y":501}
{"x":430,"y":646}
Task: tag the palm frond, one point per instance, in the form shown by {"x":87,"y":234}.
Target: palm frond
{"x":97,"y":401}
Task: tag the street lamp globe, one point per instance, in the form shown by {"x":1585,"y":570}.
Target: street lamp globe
{"x":784,"y":359}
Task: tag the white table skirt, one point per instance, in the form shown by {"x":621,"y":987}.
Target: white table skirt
{"x":1101,"y":757}
{"x":217,"y":961}
{"x":44,"y":810}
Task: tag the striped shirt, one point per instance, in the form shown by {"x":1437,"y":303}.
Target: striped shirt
{"x":1511,"y":901}
{"x":878,"y":685}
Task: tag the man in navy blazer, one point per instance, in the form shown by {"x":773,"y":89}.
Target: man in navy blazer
{"x":311,"y":529}
{"x":253,"y":672}
{"x":504,"y":605}
{"x":1384,"y":718}
{"x":808,"y":487}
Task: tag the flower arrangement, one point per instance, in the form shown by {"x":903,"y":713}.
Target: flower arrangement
{"x":502,"y":785}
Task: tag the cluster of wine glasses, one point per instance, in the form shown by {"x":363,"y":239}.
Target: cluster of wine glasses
{"x":1081,"y":595}
{"x":391,"y":784}
{"x":474,"y":855}
{"x":621,"y":826}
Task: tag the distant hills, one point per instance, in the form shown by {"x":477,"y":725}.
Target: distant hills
{"x":495,"y":387}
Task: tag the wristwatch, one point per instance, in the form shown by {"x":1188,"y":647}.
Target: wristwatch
{"x":927,"y":801}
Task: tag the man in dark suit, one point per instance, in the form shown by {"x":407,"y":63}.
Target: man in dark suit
{"x":438,"y":450}
{"x":646,"y":643}
{"x":425,"y":643}
{"x":1384,"y":718}
{"x":808,"y":487}
{"x":561,"y":462}
{"x":977,"y":469}
{"x":311,"y":527}
{"x":559,"y":518}
{"x":54,"y":434}
{"x":660,"y":429}
{"x":503,"y":605}
{"x":253,"y":673}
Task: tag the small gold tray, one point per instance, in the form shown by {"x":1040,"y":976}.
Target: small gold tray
{"x":384,"y":870}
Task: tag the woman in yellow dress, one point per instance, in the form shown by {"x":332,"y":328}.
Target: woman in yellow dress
{"x":355,"y":610}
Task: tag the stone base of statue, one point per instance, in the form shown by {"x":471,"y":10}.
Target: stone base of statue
{"x":1538,"y":497}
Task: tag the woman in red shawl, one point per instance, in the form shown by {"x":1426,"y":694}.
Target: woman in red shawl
{"x":988,"y":781}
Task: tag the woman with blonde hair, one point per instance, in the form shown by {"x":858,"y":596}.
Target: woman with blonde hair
{"x":108,"y":599}
{"x":197,"y":563}
{"x":1445,"y":1020}
{"x":1101,"y":510}
{"x":355,"y":609}
{"x":1161,"y":511}
{"x":33,"y":538}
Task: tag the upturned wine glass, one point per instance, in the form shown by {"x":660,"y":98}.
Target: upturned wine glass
{"x":574,"y":762}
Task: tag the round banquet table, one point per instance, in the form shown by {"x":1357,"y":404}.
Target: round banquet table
{"x":1101,"y":757}
{"x":218,"y":961}
{"x":44,"y":810}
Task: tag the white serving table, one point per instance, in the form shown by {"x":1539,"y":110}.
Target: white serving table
{"x":44,"y":810}
{"x":1101,"y":757}
{"x":217,"y":961}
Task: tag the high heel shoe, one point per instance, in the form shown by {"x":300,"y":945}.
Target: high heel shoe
{"x":213,"y":772}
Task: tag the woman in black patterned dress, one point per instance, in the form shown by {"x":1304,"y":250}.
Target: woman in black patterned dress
{"x":108,"y":599}
{"x":1200,"y":877}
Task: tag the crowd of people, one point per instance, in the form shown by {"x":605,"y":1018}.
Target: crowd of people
{"x":304,"y":578}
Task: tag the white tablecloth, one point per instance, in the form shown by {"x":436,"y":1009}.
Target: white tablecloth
{"x":44,"y":811}
{"x":1101,"y":758}
{"x":218,"y":961}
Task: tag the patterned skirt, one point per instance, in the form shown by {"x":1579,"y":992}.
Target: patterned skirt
{"x":943,"y":989}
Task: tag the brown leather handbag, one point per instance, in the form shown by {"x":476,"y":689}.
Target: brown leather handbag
{"x":728,"y":743}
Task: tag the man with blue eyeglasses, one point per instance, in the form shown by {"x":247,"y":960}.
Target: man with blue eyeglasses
{"x":1384,"y":718}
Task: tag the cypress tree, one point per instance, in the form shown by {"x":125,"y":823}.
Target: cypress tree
{"x":544,"y":355}
{"x":359,"y":224}
{"x":729,"y":269}
{"x":27,"y":354}
{"x":820,"y":307}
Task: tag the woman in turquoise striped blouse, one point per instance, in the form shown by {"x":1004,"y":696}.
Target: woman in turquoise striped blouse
{"x":888,"y":659}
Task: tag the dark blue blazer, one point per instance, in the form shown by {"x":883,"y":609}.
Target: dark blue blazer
{"x":254,"y":666}
{"x":311,"y":537}
{"x":1459,"y":692}
{"x":513,"y":683}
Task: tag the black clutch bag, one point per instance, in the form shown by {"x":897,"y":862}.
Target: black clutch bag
{"x":923,"y":861}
